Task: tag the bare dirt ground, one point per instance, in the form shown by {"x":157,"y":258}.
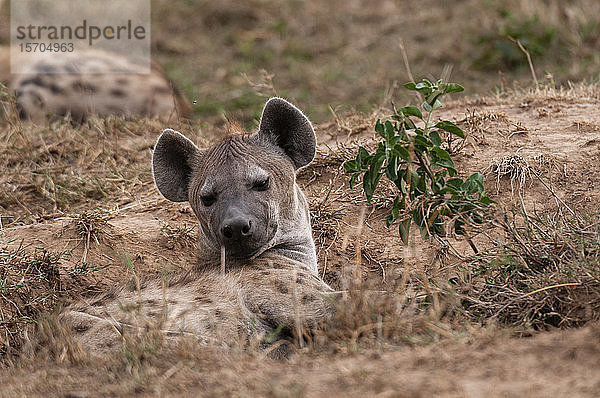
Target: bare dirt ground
{"x":470,"y":337}
{"x":551,"y":364}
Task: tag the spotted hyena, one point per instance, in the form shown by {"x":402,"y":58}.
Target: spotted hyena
{"x":56,"y":87}
{"x":243,"y":191}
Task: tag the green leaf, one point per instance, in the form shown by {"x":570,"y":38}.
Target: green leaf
{"x":486,"y":201}
{"x":422,"y":142}
{"x":390,"y":218}
{"x":411,"y":111}
{"x":441,"y":154}
{"x":441,"y":158}
{"x":474,"y":183}
{"x":435,"y":138}
{"x":379,"y":127}
{"x":451,"y":128}
{"x":410,"y":86}
{"x":353,"y":180}
{"x":453,"y":88}
{"x":404,"y":230}
{"x":402,"y":180}
{"x":370,"y":182}
{"x":400,"y":151}
{"x":389,"y":130}
{"x":426,"y":106}
{"x":409,"y":124}
{"x":350,"y":166}
{"x":372,"y":176}
{"x":455,"y":183}
{"x":433,"y":97}
{"x":362,"y":159}
{"x":391,"y":170}
{"x":415,"y":180}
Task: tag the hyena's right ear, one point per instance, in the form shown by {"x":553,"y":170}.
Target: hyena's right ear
{"x":173,"y":161}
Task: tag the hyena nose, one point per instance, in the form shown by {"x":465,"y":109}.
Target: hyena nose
{"x":238,"y":228}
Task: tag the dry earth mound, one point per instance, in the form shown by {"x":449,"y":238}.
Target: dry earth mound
{"x":79,"y":213}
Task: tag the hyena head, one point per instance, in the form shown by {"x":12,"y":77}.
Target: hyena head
{"x":243,"y":190}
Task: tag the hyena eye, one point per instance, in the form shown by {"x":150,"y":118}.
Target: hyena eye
{"x":208,"y":200}
{"x":261,"y":185}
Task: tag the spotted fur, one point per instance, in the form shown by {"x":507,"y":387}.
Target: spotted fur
{"x":55,"y":88}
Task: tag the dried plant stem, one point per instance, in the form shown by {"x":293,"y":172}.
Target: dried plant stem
{"x":358,"y":254}
{"x":518,"y":42}
{"x":407,"y":65}
{"x":223,"y":260}
{"x":297,"y":310}
{"x":554,"y":193}
{"x":473,"y":247}
{"x":532,"y":293}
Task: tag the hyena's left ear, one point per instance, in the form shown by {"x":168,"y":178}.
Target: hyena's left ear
{"x":286,"y":126}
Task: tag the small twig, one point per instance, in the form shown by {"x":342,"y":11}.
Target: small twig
{"x":425,"y":166}
{"x":87,"y":246}
{"x":548,"y":288}
{"x":297,"y":310}
{"x":223,"y":259}
{"x":358,"y":257}
{"x":2,"y":234}
{"x":407,"y":66}
{"x":339,"y":122}
{"x":473,"y":247}
{"x":554,"y":194}
{"x":518,"y":42}
{"x":532,"y":293}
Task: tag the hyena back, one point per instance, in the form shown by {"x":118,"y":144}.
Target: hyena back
{"x":91,"y":82}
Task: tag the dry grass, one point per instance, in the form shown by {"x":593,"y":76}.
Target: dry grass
{"x":545,"y":274}
{"x":30,"y":284}
{"x":515,"y":167}
{"x":178,"y":236}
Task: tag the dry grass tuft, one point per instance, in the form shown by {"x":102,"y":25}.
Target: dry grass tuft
{"x":53,"y":341}
{"x":30,"y":283}
{"x":515,"y":167}
{"x":178,"y":236}
{"x":89,"y":226}
{"x":368,"y":317}
{"x":477,"y":123}
{"x":545,"y":274}
{"x":9,"y":112}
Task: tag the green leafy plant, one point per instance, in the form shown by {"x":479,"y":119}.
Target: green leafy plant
{"x":413,"y":155}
